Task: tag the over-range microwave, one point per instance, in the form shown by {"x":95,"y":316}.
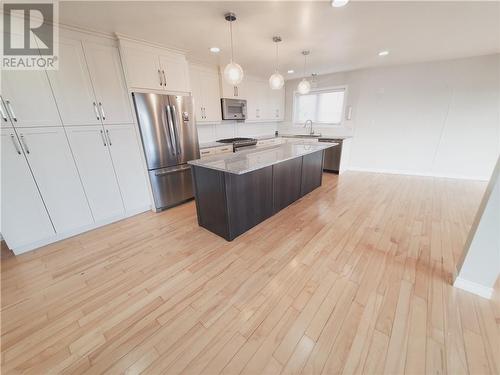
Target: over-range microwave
{"x":233,"y":109}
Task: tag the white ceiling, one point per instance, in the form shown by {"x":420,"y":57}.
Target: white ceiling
{"x":339,"y":38}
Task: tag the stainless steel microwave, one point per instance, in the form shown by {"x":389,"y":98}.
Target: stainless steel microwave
{"x":234,"y":109}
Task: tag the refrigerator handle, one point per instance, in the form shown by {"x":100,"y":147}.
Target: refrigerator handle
{"x":174,"y":117}
{"x":171,"y":132}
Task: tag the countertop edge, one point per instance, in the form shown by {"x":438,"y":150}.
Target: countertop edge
{"x":322,"y":147}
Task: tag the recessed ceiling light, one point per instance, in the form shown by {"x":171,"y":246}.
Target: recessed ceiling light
{"x":215,"y":49}
{"x":291,"y":71}
{"x":339,"y":3}
{"x":383,"y":53}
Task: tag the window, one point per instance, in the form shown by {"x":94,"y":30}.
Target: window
{"x":320,"y":106}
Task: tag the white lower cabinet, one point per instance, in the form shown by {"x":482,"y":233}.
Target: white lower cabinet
{"x":24,"y":217}
{"x":125,"y":152}
{"x":55,"y":173}
{"x":210,"y":151}
{"x":90,"y":150}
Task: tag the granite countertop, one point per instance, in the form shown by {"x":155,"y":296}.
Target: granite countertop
{"x":250,"y":160}
{"x":263,"y":137}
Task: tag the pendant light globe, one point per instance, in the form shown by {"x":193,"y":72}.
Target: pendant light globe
{"x":304,"y":87}
{"x":276,"y":81}
{"x":233,"y":72}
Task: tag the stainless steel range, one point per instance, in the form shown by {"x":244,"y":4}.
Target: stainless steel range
{"x":239,"y":142}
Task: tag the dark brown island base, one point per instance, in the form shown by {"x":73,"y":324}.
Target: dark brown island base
{"x":235,"y":192}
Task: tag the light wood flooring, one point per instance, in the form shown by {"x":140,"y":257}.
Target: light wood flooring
{"x":353,"y":278}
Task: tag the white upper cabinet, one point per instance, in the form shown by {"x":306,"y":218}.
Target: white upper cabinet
{"x":174,"y":69}
{"x":276,"y":107}
{"x":205,"y":89}
{"x":125,"y":153}
{"x":109,"y":85}
{"x":90,"y":149}
{"x":54,"y":169}
{"x":142,"y":67}
{"x":72,"y":86}
{"x":263,"y":104}
{"x":28,"y":99}
{"x":147,"y":67}
{"x":196,"y":92}
{"x":257,"y":100}
{"x":24,"y":219}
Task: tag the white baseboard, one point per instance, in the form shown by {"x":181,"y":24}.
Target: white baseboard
{"x":62,"y":236}
{"x":473,"y":287}
{"x":422,"y":174}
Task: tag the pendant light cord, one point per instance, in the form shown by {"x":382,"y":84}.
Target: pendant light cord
{"x":231,"y":33}
{"x":305,"y":58}
{"x":277,"y":58}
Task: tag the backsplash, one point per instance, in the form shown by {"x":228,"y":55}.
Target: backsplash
{"x":231,"y":129}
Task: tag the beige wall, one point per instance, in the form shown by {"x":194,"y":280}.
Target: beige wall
{"x":438,"y":118}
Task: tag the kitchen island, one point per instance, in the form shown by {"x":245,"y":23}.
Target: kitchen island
{"x":234,"y":192}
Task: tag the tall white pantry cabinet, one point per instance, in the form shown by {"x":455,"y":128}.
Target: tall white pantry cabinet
{"x":70,"y":156}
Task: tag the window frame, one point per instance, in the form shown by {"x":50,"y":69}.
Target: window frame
{"x":318,"y":90}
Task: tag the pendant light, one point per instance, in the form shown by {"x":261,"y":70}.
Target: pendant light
{"x":233,"y":73}
{"x":304,"y":86}
{"x":276,"y":81}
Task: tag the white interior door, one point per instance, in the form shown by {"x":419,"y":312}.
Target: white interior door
{"x":125,"y":153}
{"x":52,"y":164}
{"x":142,"y":67}
{"x":72,"y":86}
{"x":91,"y":153}
{"x":211,"y":96}
{"x":24,"y":217}
{"x":107,"y":78}
{"x":176,"y":72}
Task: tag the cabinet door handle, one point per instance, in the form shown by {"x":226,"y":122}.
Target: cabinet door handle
{"x":161,"y":79}
{"x":4,"y":116}
{"x":102,"y":111}
{"x":103,"y":139}
{"x":24,"y":145}
{"x":96,"y":111}
{"x":109,"y":138}
{"x":164,"y":78}
{"x":10,"y":110}
{"x":13,"y":137}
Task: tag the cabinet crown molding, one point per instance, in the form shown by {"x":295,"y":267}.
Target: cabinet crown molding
{"x":124,"y":39}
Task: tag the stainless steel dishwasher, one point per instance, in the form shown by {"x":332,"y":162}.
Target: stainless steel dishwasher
{"x":332,"y":155}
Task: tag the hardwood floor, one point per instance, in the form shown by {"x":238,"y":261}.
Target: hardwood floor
{"x":353,"y":278}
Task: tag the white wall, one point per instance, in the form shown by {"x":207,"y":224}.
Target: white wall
{"x":437,"y":118}
{"x":481,"y":265}
{"x":230,"y":129}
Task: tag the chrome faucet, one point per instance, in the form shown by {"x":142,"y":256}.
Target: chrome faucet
{"x":311,"y":131}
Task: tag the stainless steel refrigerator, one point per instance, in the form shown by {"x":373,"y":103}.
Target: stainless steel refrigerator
{"x":170,"y":140}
